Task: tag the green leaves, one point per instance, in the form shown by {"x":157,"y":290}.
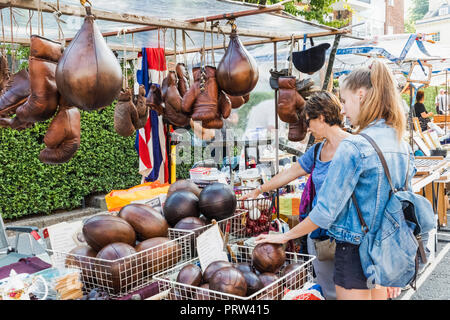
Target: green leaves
{"x":104,"y":161}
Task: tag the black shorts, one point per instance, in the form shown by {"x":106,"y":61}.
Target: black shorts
{"x":348,"y":272}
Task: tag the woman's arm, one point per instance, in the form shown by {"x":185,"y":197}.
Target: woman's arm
{"x":303,"y":228}
{"x":281,"y":179}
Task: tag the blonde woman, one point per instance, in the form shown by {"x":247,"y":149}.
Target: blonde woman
{"x":373,"y":106}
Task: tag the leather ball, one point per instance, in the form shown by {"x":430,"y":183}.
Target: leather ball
{"x":121,"y":275}
{"x":79,"y":257}
{"x":190,"y":223}
{"x":146,"y":221}
{"x":158,"y":254}
{"x":243,"y":267}
{"x":104,"y":229}
{"x":297,"y":279}
{"x":217,"y":201}
{"x":179,"y":205}
{"x":254,"y":284}
{"x":268,"y":257}
{"x":185,"y":185}
{"x":229,"y":280}
{"x":203,"y":294}
{"x":276,"y":291}
{"x":190,"y":274}
{"x":213,"y":267}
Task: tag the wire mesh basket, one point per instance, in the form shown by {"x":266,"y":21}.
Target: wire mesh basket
{"x":259,"y":211}
{"x":292,"y":280}
{"x":234,"y":224}
{"x":122,"y":276}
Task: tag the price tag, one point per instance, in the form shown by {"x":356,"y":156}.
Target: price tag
{"x":210,"y":247}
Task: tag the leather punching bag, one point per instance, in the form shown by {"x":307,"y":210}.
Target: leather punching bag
{"x":88,"y":74}
{"x":237,"y":73}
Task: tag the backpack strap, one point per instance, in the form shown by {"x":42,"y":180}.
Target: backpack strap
{"x":382,"y":159}
{"x":364,"y":226}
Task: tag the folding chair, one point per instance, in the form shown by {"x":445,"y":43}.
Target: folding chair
{"x":9,"y":254}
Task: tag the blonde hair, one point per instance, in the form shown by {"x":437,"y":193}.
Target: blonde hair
{"x":382,"y":100}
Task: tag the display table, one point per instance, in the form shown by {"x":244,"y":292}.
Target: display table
{"x":431,"y":182}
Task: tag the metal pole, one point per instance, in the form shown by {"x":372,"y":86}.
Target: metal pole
{"x":411,"y":110}
{"x":277,"y":142}
{"x":446,"y":100}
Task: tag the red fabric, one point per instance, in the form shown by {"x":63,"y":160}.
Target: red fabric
{"x":156,"y":59}
{"x":144,"y":152}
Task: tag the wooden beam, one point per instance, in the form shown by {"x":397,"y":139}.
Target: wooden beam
{"x":130,"y":18}
{"x":264,"y":41}
{"x":231,"y":15}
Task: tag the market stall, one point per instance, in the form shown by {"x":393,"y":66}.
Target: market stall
{"x":163,"y":234}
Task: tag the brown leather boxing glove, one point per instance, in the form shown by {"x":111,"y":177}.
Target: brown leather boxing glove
{"x":178,"y":119}
{"x":297,"y":131}
{"x":142,"y":109}
{"x":62,"y":139}
{"x":213,"y":124}
{"x":155,"y":100}
{"x":172,"y":95}
{"x":289,"y":100}
{"x":183,"y":79}
{"x":202,"y":97}
{"x":125,"y":114}
{"x":224,"y":104}
{"x":43,"y":101}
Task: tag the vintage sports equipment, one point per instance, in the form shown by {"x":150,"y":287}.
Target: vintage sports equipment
{"x":184,"y":185}
{"x":146,"y":221}
{"x":190,"y":274}
{"x":213,"y":267}
{"x":268,"y":257}
{"x":104,"y":229}
{"x":179,"y":205}
{"x":237,"y":73}
{"x":217,"y":201}
{"x":160,"y":254}
{"x":88,"y":74}
{"x":229,"y":280}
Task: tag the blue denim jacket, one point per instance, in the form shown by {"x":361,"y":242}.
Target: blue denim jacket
{"x":356,"y":168}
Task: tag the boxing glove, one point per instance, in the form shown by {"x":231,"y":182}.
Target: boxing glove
{"x":44,"y":98}
{"x":297,"y":131}
{"x":62,"y":139}
{"x":289,"y":100}
{"x":213,"y":124}
{"x":142,"y":110}
{"x":202,"y":97}
{"x":125,"y":114}
{"x":224,"y":104}
{"x":155,"y":100}
{"x":183,"y":79}
{"x":178,"y":119}
{"x":172,"y":96}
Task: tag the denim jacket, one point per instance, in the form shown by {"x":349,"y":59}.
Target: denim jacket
{"x":356,"y":168}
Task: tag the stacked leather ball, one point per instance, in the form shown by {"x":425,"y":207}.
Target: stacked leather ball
{"x":268,"y":264}
{"x":111,"y":239}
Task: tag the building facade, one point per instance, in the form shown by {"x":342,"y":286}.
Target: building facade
{"x":375,"y":17}
{"x":436,"y":22}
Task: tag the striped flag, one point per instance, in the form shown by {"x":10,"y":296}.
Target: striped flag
{"x":151,"y":140}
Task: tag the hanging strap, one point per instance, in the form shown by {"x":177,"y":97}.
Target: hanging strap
{"x":290,"y":54}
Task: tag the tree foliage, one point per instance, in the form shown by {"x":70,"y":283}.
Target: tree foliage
{"x":311,"y":10}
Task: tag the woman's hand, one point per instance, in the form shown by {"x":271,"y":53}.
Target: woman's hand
{"x":393,"y":292}
{"x":251,"y":195}
{"x":271,"y":238}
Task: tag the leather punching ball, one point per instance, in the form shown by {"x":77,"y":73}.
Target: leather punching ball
{"x":88,"y":74}
{"x":237,"y":73}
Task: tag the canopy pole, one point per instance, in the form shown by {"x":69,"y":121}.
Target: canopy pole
{"x":277,"y":143}
{"x":337,"y":38}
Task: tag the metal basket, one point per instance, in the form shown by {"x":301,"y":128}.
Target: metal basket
{"x":122,"y":276}
{"x":293,"y":280}
{"x":261,"y":207}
